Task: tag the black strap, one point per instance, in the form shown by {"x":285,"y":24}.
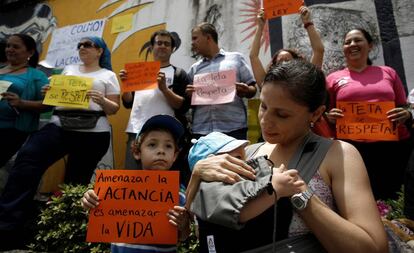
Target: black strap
{"x":310,"y":155}
{"x":84,"y":112}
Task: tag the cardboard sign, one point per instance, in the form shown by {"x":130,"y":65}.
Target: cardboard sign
{"x":133,"y":206}
{"x":121,"y":23}
{"x":4,"y":86}
{"x":366,"y":121}
{"x":68,"y":91}
{"x":141,"y":76}
{"x":278,"y":8}
{"x":214,"y":88}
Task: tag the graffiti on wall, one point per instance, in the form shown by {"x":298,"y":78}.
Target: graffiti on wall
{"x":35,"y":20}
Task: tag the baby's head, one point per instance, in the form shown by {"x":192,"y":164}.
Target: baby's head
{"x":156,"y":146}
{"x":216,"y":143}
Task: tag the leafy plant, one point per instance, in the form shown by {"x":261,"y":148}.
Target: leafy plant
{"x":191,"y":245}
{"x":62,"y":224}
{"x":396,"y":206}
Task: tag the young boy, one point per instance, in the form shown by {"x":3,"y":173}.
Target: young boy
{"x":156,"y":148}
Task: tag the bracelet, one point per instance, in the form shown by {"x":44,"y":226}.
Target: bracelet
{"x":306,"y":25}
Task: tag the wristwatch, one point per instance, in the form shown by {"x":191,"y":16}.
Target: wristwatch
{"x":300,"y":200}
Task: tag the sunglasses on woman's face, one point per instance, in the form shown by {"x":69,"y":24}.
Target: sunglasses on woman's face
{"x":86,"y":44}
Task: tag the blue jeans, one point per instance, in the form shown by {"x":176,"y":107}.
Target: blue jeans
{"x":42,"y":149}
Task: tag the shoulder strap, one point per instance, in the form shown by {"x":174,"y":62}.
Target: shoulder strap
{"x":310,"y":155}
{"x":251,"y":150}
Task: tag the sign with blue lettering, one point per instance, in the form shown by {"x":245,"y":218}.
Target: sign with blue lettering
{"x":62,"y":48}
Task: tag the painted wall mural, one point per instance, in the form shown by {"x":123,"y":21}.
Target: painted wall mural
{"x":389,"y":21}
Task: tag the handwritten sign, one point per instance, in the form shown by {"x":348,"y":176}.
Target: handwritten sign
{"x":121,"y":23}
{"x":68,"y":91}
{"x":277,"y":8}
{"x":214,"y":88}
{"x":4,"y":86}
{"x":365,"y":121}
{"x":141,"y":76}
{"x":62,"y":48}
{"x":133,"y":207}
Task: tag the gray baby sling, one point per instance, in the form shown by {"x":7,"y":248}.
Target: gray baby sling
{"x":306,"y":160}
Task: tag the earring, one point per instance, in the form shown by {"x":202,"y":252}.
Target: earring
{"x":312,"y":124}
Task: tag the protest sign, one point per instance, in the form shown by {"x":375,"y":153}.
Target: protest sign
{"x":365,"y":121}
{"x":4,"y":86}
{"x":141,"y":76}
{"x":133,"y":206}
{"x":68,"y":91}
{"x":62,"y":48}
{"x":277,"y":8}
{"x":214,"y":88}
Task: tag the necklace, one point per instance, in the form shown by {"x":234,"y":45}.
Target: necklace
{"x":12,"y":70}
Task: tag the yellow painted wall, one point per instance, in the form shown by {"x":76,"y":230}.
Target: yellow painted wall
{"x":69,"y":12}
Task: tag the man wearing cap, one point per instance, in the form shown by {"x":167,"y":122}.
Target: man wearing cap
{"x":229,"y":118}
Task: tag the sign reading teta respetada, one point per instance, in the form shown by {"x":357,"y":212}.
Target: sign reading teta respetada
{"x":133,"y":205}
{"x":214,"y":88}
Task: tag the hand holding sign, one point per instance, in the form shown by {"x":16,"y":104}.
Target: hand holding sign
{"x":68,"y":91}
{"x":214,"y":88}
{"x":141,"y":76}
{"x":399,"y":115}
{"x":277,"y":8}
{"x":365,"y":121}
{"x":132,"y":207}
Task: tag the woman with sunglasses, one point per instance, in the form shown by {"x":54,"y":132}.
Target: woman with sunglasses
{"x":84,"y":147}
{"x":20,"y":94}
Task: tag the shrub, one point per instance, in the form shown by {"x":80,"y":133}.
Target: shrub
{"x":62,"y":224}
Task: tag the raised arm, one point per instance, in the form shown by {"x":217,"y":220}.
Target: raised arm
{"x":257,"y":66}
{"x":314,"y":37}
{"x":357,"y":226}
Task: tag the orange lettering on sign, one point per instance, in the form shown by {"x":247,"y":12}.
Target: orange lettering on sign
{"x":141,"y":76}
{"x":277,"y":8}
{"x":366,"y":121}
{"x":133,"y":205}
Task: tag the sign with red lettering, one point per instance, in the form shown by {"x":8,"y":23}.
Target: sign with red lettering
{"x":214,"y":88}
{"x":141,"y":76}
{"x":277,"y":8}
{"x":133,"y":206}
{"x":366,"y":121}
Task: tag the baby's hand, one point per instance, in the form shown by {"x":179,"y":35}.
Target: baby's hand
{"x":89,"y":200}
{"x":179,"y":217}
{"x":286,"y":182}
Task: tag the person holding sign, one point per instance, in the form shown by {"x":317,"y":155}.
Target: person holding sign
{"x":363,"y":88}
{"x":335,"y":211}
{"x":156,"y":148}
{"x":168,"y":98}
{"x":85,"y":140}
{"x":20,"y":94}
{"x":285,"y":54}
{"x":212,"y":69}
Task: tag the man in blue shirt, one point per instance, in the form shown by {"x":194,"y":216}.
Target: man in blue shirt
{"x":229,"y":118}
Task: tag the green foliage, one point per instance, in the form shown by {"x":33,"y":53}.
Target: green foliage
{"x":191,"y":245}
{"x":396,"y":206}
{"x":62,"y":224}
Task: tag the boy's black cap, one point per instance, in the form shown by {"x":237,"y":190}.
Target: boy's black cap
{"x":164,"y":121}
